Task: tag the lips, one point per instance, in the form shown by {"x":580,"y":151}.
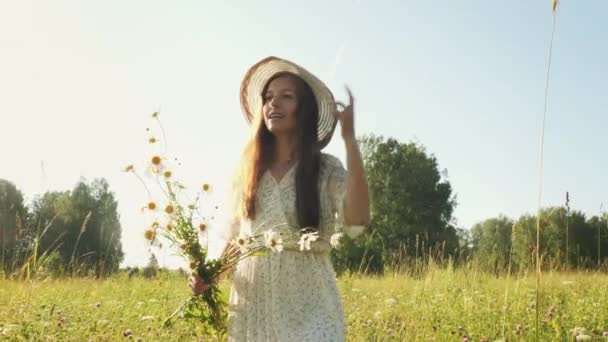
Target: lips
{"x":276,"y":116}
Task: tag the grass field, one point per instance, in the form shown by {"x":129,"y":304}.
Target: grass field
{"x":442,"y":305}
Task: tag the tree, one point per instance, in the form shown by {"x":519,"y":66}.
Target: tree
{"x":491,"y":241}
{"x":495,"y":240}
{"x":13,"y":215}
{"x":86,"y":228}
{"x":411,"y":205}
{"x":151,"y":270}
{"x":599,"y":229}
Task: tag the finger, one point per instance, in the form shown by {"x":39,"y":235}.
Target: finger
{"x":351,"y":99}
{"x":340,"y":110}
{"x":339,"y":115}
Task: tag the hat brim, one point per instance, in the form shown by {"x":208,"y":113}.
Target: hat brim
{"x":260,"y":73}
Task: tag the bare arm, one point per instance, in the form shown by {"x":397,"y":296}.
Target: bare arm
{"x":356,"y":202}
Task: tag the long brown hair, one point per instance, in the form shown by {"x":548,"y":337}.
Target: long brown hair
{"x":259,"y":152}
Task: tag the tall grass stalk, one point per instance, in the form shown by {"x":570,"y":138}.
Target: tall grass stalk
{"x":83,"y":228}
{"x":506,"y":306}
{"x":599,"y":234}
{"x":540,"y":187}
{"x":4,"y":228}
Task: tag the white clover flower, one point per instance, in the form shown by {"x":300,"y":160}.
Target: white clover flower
{"x":307,"y":239}
{"x":335,"y":239}
{"x":273,"y":241}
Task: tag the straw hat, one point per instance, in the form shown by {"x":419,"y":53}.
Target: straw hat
{"x":260,"y":73}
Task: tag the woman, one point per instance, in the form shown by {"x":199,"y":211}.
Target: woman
{"x":285,"y":179}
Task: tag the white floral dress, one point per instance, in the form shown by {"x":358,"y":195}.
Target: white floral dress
{"x":291,"y":295}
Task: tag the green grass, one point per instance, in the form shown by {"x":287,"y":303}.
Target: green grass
{"x":443,"y":305}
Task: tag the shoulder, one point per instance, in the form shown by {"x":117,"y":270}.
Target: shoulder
{"x":330,"y":162}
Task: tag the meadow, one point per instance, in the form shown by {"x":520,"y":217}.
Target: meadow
{"x":442,"y":304}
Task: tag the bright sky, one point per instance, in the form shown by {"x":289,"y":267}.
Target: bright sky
{"x":79,"y":80}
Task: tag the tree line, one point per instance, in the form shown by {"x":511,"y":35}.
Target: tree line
{"x":412,"y":224}
{"x":75,"y":232}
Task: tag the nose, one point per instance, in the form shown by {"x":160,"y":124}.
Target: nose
{"x":273,"y":102}
{"x":270,"y":106}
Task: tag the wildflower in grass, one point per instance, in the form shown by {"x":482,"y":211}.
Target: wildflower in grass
{"x":518,"y":329}
{"x":206,"y":187}
{"x":579,"y":332}
{"x":167,"y":174}
{"x":550,"y":313}
{"x":151,"y":206}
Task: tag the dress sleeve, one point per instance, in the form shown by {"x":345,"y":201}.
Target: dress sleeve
{"x":337,"y":192}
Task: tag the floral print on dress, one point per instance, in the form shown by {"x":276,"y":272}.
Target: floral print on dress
{"x":291,"y":295}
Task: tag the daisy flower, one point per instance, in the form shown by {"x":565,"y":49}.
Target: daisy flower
{"x":335,"y":239}
{"x":307,"y":239}
{"x":273,"y":241}
{"x":244,"y":242}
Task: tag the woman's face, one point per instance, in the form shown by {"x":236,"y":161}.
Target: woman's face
{"x":280,"y":106}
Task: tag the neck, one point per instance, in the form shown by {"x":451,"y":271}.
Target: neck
{"x":285,"y":149}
